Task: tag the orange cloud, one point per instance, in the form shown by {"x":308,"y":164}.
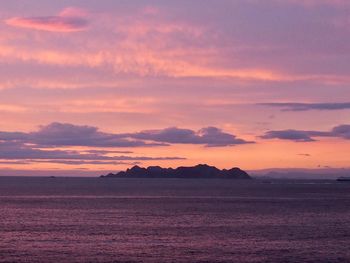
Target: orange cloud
{"x":145,"y":61}
{"x":69,"y":20}
{"x":125,"y":105}
{"x":145,"y":47}
{"x":12,"y":108}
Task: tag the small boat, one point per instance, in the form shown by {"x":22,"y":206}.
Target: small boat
{"x":343,"y":179}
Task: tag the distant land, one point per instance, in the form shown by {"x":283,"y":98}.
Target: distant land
{"x":301,"y":173}
{"x":197,"y":172}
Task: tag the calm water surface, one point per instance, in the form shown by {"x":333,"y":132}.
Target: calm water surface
{"x":173,"y":220}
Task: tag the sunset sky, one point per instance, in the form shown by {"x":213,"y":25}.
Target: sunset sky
{"x":88,"y":86}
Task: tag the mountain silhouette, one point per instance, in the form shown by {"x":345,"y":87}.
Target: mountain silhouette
{"x":198,"y":171}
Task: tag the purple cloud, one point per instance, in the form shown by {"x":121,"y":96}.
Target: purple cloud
{"x":82,"y":162}
{"x":64,"y":134}
{"x":292,"y":135}
{"x":309,"y":106}
{"x":19,"y":151}
{"x":341,"y":131}
{"x":210,"y":137}
{"x":41,"y":146}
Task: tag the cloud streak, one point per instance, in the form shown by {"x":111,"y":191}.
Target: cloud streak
{"x":341,"y":131}
{"x":22,"y":151}
{"x":69,"y":20}
{"x":292,"y":106}
{"x":82,"y":162}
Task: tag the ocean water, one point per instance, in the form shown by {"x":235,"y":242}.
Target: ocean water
{"x":173,"y":220}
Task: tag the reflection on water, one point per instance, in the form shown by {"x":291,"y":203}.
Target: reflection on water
{"x":173,"y":220}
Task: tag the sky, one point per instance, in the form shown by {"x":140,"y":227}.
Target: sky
{"x":93,"y":86}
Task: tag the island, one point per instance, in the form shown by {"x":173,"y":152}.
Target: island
{"x":198,"y":171}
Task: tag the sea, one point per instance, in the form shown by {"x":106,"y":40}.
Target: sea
{"x":173,"y":220}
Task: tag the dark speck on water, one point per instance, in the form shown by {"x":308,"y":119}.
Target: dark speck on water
{"x":173,"y":220}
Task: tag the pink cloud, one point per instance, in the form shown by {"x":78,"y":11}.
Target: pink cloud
{"x":69,"y":20}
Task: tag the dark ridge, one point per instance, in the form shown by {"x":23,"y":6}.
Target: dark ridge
{"x":198,"y":171}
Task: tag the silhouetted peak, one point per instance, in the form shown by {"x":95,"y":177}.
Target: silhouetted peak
{"x":204,"y":166}
{"x":154,"y":168}
{"x":198,"y":171}
{"x":134,"y":168}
